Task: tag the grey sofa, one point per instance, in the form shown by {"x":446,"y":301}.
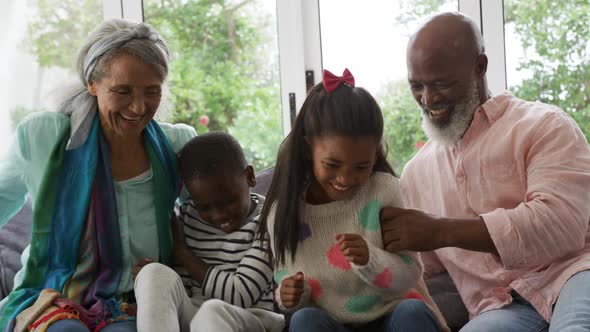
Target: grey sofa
{"x":16,"y":234}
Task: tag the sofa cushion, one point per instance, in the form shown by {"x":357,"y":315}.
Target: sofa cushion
{"x":14,"y":237}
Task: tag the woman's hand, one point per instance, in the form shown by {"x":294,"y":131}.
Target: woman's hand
{"x":139,"y":265}
{"x":354,"y":247}
{"x":291,"y":290}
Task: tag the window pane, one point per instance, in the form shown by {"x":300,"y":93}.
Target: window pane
{"x":224,"y":73}
{"x":548,"y":54}
{"x":371,"y":41}
{"x":39,"y":43}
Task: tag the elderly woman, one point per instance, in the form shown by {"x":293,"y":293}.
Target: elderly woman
{"x":103,"y":180}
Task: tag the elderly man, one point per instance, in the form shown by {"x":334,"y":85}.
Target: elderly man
{"x":501,"y":191}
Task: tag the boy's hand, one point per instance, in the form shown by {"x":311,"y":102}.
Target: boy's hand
{"x":291,"y":290}
{"x":354,"y":247}
{"x":139,"y":265}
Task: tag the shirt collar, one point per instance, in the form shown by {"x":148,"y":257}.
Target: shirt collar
{"x":494,"y":107}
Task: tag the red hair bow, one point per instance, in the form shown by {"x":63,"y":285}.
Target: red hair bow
{"x":331,"y":81}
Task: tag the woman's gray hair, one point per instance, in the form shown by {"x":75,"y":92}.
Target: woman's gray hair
{"x":114,"y":37}
{"x":109,"y":39}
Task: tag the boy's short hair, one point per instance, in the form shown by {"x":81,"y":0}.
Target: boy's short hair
{"x":209,"y":154}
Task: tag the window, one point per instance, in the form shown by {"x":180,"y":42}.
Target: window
{"x":371,"y":41}
{"x":224,"y":69}
{"x":548,"y":54}
{"x":39,"y":46}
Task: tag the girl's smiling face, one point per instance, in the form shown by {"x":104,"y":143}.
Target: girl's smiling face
{"x":341,"y":165}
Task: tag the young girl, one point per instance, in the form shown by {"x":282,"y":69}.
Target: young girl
{"x":322,"y":213}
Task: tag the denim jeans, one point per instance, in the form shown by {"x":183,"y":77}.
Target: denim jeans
{"x":570,"y":313}
{"x":409,"y":315}
{"x":74,"y":325}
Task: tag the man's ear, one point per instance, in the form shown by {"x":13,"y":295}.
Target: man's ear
{"x":481,"y":66}
{"x":250,"y":176}
{"x":91,"y":88}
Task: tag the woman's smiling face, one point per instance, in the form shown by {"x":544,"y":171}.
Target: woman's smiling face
{"x":128,"y":96}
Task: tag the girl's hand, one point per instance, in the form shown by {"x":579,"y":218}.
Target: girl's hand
{"x":139,"y":265}
{"x":291,"y":290}
{"x":354,"y":247}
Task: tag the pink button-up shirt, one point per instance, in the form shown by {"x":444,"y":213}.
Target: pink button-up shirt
{"x":525,"y":169}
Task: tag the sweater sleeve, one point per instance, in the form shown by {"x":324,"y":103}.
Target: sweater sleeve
{"x":244,"y":286}
{"x":396,"y":272}
{"x":22,"y":167}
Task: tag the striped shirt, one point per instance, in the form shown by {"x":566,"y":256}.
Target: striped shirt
{"x":240,"y":271}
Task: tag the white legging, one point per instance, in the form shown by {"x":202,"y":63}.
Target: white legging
{"x":163,"y":305}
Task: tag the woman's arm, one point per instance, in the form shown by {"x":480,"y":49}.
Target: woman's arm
{"x":22,"y":167}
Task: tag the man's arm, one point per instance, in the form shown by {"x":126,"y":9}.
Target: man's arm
{"x":551,"y":222}
{"x":407,"y":229}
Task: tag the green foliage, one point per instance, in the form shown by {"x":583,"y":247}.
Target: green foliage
{"x":402,"y":118}
{"x":223,"y":66}
{"x":555,"y":35}
{"x":224,"y":63}
{"x":412,"y":12}
{"x":58,"y":29}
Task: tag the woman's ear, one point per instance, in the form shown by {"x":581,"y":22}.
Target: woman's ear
{"x":91,"y":86}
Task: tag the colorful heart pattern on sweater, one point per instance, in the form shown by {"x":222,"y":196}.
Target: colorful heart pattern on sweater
{"x":383,"y":279}
{"x":279,"y":276}
{"x":414,"y":295}
{"x":369,"y":215}
{"x":406,"y":258}
{"x":316,"y":289}
{"x":337,"y":259}
{"x":362,"y":303}
{"x":304,"y":232}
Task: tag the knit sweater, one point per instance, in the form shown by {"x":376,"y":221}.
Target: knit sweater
{"x":348,"y":292}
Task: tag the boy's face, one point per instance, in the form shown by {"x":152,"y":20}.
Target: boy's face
{"x":223,"y":198}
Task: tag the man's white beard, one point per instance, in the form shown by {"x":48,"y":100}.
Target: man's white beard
{"x":459,"y":120}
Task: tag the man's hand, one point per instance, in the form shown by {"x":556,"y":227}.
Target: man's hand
{"x":405,"y":229}
{"x":139,"y":265}
{"x":354,"y":247}
{"x":414,"y":230}
{"x":291,"y":290}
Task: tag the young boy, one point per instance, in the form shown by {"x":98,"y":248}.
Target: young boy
{"x":226,"y":270}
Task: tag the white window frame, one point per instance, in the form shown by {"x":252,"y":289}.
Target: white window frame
{"x":488,"y":14}
{"x":299,"y":38}
{"x":127,"y":9}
